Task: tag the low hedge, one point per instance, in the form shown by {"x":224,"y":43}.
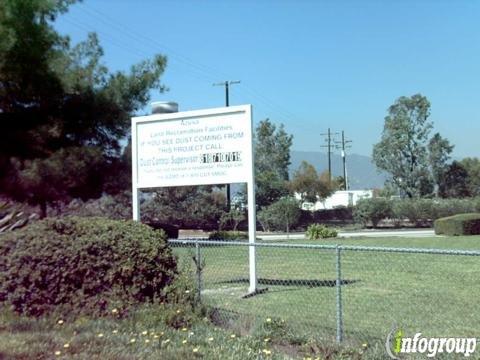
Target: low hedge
{"x":419,"y":212}
{"x":83,"y":265}
{"x":228,"y":235}
{"x":461,"y":224}
{"x":372,"y":211}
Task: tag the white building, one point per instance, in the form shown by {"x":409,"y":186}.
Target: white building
{"x":337,"y":199}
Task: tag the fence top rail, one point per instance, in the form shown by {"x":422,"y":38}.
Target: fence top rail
{"x":329,"y":247}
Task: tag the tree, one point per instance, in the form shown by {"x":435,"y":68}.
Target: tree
{"x":66,"y":174}
{"x":231,"y":219}
{"x":309,"y":185}
{"x":402,"y":150}
{"x":439,"y":150}
{"x":454,"y":183}
{"x":339,"y":182}
{"x":282,"y":214}
{"x":269,"y":188}
{"x":59,"y":101}
{"x":187,"y":207}
{"x":272,"y":158}
{"x":472,"y":166}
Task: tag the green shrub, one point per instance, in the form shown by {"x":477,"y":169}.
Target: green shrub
{"x":449,"y":207}
{"x":83,"y":265}
{"x":372,"y":210}
{"x":282,"y":215}
{"x":228,"y":235}
{"x":420,"y":212}
{"x":320,"y":231}
{"x":462,"y":224}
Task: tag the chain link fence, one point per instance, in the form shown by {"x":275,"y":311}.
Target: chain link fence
{"x":345,"y":294}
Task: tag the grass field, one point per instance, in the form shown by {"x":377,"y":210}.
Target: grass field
{"x":144,"y":335}
{"x":433,"y":294}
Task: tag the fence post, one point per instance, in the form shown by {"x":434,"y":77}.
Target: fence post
{"x":339,"y":296}
{"x":198,"y":263}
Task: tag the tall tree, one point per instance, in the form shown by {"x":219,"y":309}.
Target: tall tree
{"x":472,"y":166}
{"x":73,"y":172}
{"x":58,"y":102}
{"x":402,"y":150}
{"x":439,"y":150}
{"x":454,"y":183}
{"x":310,"y":185}
{"x":272,"y":158}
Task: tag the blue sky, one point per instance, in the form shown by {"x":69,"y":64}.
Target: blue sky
{"x":307,"y":64}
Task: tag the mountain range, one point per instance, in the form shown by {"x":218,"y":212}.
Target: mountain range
{"x":361,"y":172}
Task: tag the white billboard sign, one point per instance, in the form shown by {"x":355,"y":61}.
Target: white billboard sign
{"x":212,"y":146}
{"x":193,"y":148}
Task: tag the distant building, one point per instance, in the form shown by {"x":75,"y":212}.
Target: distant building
{"x":338,"y":199}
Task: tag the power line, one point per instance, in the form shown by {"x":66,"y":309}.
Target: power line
{"x":131,"y":33}
{"x":206,"y":71}
{"x":128,"y":48}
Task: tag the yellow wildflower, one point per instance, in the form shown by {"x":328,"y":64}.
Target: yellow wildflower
{"x":66,"y":346}
{"x":184,"y":341}
{"x":233,"y":336}
{"x":210,"y":339}
{"x":144,"y":332}
{"x":100,"y":335}
{"x":133,"y":340}
{"x":266,"y":339}
{"x":115,"y":331}
{"x":195,"y":350}
{"x":114,"y":311}
{"x":60,"y":322}
{"x":184,"y":329}
{"x":266,"y":351}
{"x":269,"y":320}
{"x":147,"y":341}
{"x":58,"y":353}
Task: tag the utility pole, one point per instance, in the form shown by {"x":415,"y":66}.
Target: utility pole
{"x":227,"y":84}
{"x":345,"y":145}
{"x":329,"y":150}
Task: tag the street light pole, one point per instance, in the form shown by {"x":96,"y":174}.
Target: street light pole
{"x":345,"y":145}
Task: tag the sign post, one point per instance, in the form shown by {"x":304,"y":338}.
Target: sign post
{"x":202,"y":147}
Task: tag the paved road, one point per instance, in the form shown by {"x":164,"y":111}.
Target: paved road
{"x":369,"y":233}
